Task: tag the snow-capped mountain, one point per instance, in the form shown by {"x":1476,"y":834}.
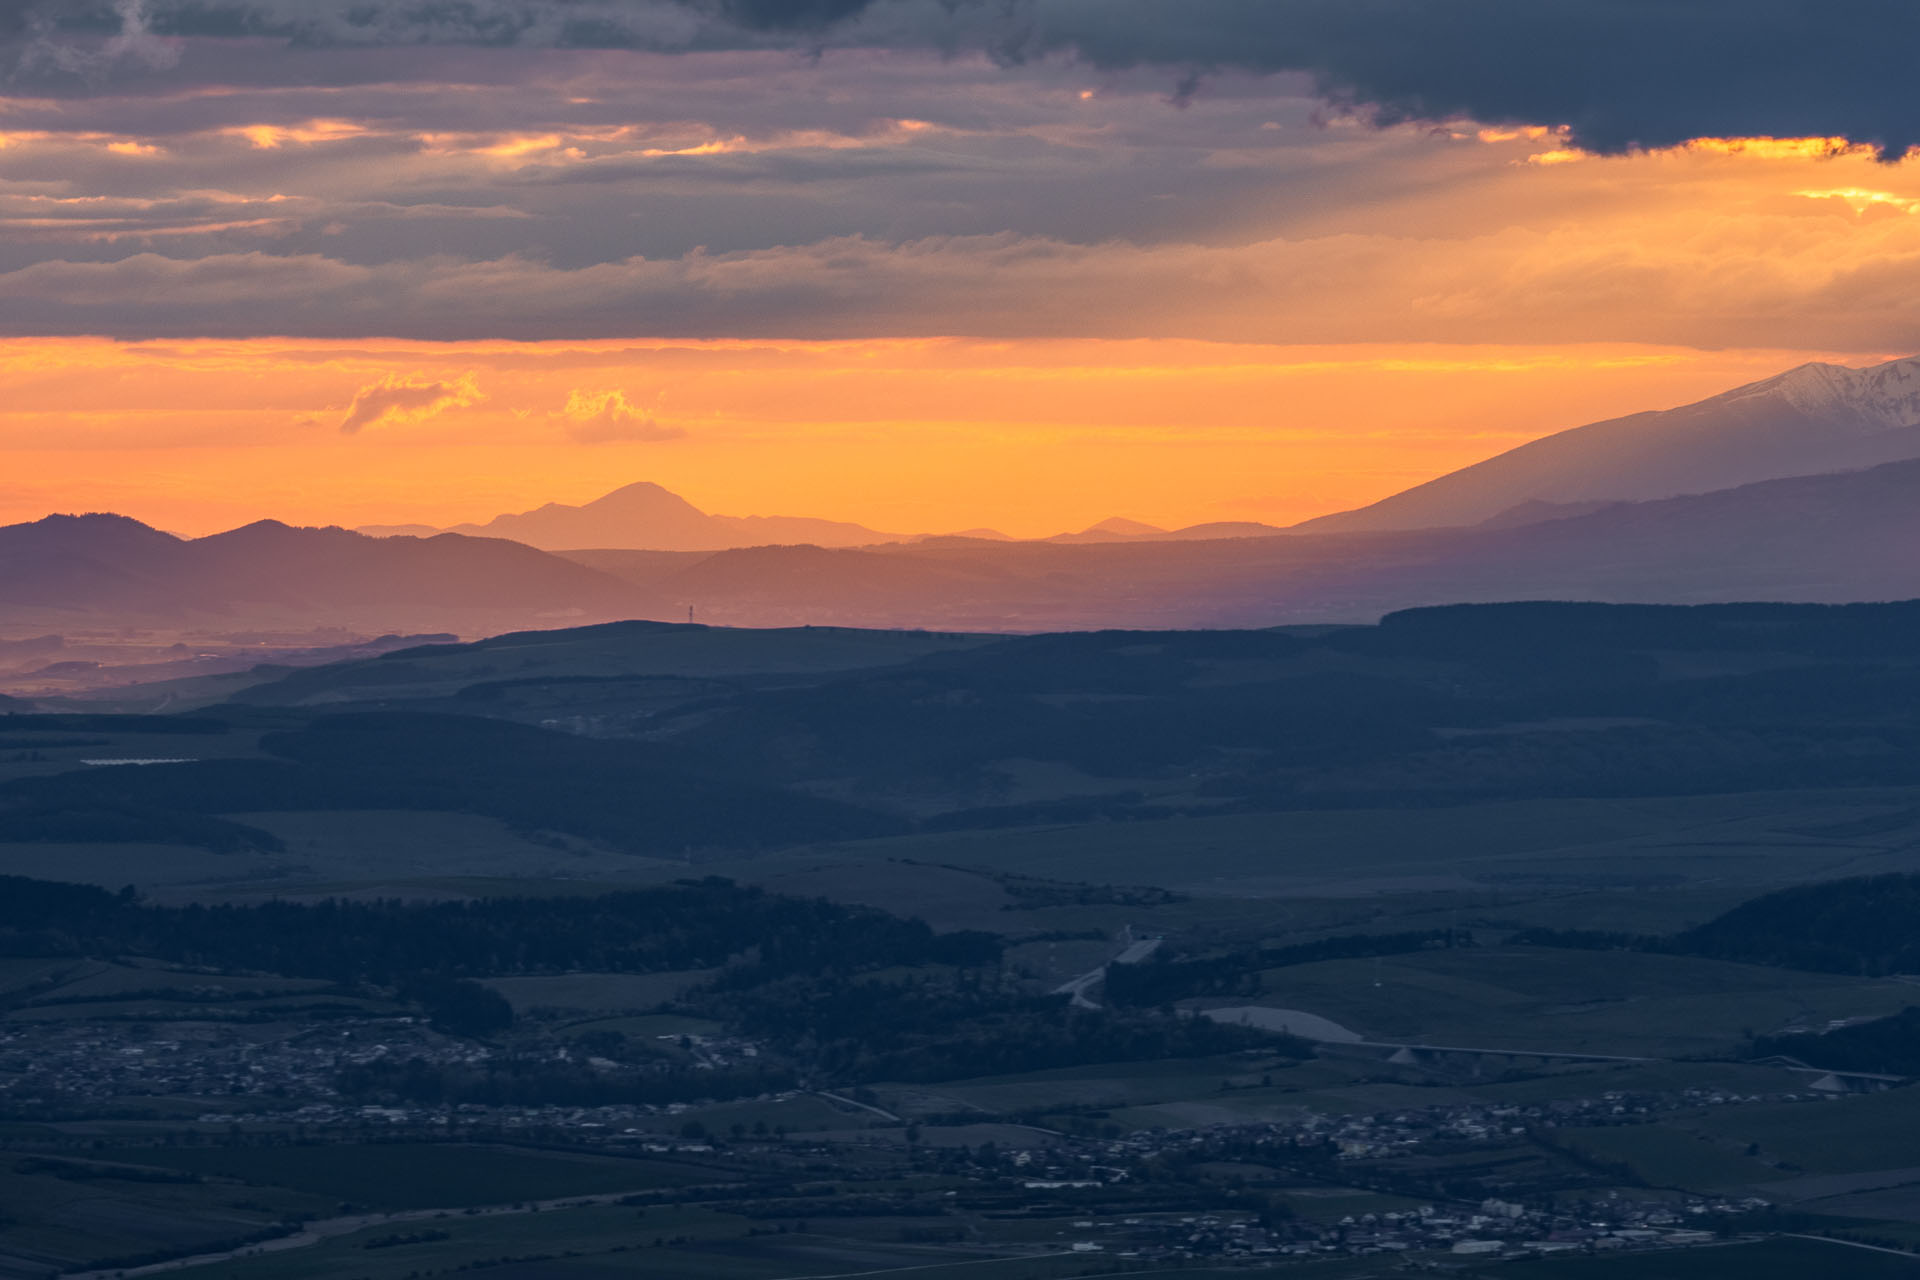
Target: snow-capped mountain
{"x":1815,"y":419}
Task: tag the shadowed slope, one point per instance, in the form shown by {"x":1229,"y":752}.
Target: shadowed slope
{"x":1816,"y":418}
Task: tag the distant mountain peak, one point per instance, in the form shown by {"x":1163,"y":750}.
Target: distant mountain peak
{"x":102,"y":527}
{"x":647,"y":516}
{"x":641,"y":494}
{"x":1122,"y":525}
{"x":640,"y":487}
{"x":95,"y":519}
{"x":1883,"y":395}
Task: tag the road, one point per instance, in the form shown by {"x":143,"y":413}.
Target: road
{"x":1078,"y":987}
{"x":1853,"y":1244}
{"x":842,"y":1098}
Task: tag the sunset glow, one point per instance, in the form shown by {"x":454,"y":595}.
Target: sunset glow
{"x":918,"y":287}
{"x":1031,"y":437}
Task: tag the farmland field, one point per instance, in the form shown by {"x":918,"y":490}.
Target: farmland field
{"x":1771,"y":1260}
{"x":422,"y":1176}
{"x":1571,"y":1001}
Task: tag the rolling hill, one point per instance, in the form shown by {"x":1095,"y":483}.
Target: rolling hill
{"x":1823,"y":538}
{"x":116,"y":569}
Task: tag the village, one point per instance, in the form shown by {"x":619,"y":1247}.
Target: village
{"x":1149,"y":1194}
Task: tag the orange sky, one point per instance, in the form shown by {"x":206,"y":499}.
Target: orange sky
{"x":1239,"y":305}
{"x":1032,"y":437}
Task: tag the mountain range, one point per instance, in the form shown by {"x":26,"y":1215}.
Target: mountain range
{"x":86,"y":567}
{"x":1813,"y":419}
{"x":1826,"y":538}
{"x":1802,"y":487}
{"x":644,"y":516}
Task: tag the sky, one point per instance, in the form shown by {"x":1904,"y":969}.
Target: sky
{"x":924,"y":264}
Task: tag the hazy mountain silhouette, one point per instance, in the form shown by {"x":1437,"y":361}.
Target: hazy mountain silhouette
{"x":1815,"y":419}
{"x":1114,"y":529}
{"x":1119,"y":529}
{"x":116,"y":567}
{"x":1825,"y":538}
{"x":1539,"y":532}
{"x":644,"y":516}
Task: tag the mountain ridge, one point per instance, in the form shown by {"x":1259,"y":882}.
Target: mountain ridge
{"x":1814,"y":419}
{"x":645,"y":516}
{"x":115,"y":565}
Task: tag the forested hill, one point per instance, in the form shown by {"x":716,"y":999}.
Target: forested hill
{"x":1867,"y":926}
{"x":633,"y":796}
{"x":839,"y":992}
{"x":699,"y":924}
{"x":825,"y":736}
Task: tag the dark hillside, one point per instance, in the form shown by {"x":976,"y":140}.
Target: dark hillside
{"x":1867,"y":926}
{"x":634,"y":796}
{"x":121,"y":569}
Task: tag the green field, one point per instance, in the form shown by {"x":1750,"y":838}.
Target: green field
{"x":1132,"y":1084}
{"x":614,"y":1241}
{"x":1745,"y":838}
{"x":1585,"y":862}
{"x":483,"y":1240}
{"x":1877,"y":1131}
{"x":422,"y":1176}
{"x":71,"y":1221}
{"x":1621,"y":1003}
{"x":1771,"y":1260}
{"x":1665,"y":1156}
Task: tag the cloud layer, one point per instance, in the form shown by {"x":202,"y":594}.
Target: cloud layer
{"x":1340,"y":170}
{"x":1620,"y":74}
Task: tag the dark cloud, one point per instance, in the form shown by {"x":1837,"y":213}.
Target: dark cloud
{"x":791,"y":13}
{"x":1622,"y":74}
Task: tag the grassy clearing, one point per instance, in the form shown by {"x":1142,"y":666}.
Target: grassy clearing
{"x":422,"y":1176}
